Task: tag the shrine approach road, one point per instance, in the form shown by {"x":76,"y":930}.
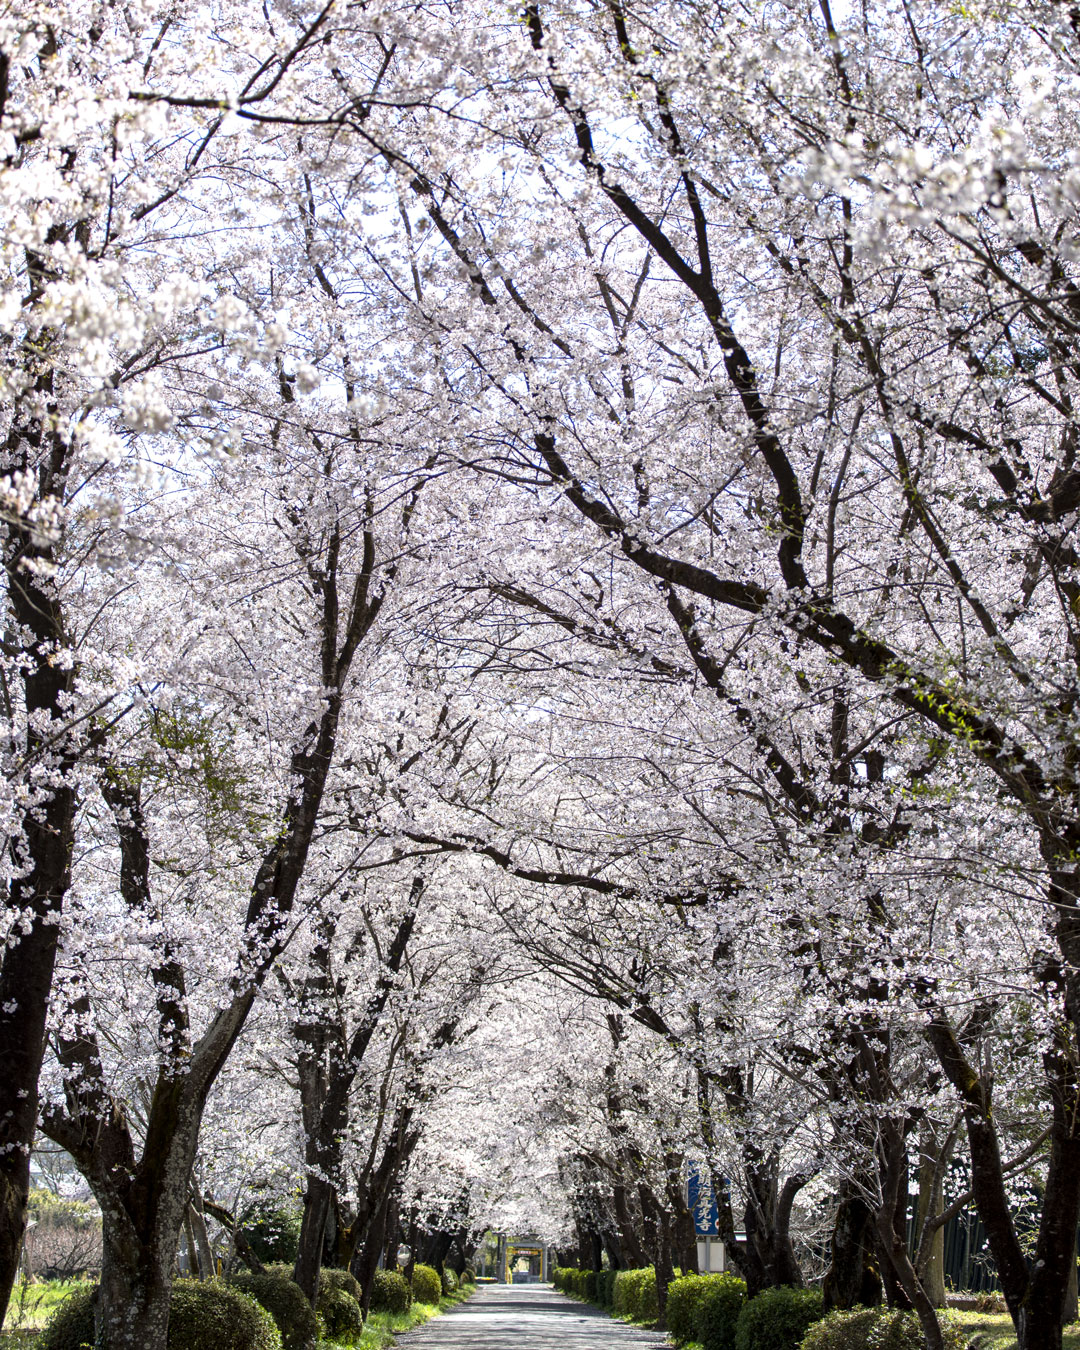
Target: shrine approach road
{"x":527,"y":1317}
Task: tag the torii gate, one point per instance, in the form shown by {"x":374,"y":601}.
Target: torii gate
{"x":513,"y":1248}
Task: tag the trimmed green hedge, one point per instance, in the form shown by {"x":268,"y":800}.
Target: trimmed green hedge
{"x":570,"y":1280}
{"x":426,"y":1284}
{"x":449,"y":1280}
{"x":635,"y":1295}
{"x":200,"y":1314}
{"x":721,"y":1303}
{"x":778,"y":1319}
{"x":876,"y":1329}
{"x":390,"y":1292}
{"x":629,"y":1293}
{"x":686,"y":1302}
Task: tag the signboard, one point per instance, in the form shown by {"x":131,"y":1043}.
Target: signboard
{"x":701,"y":1201}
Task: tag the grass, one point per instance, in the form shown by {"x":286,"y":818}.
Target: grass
{"x":996,"y":1330}
{"x":31,"y":1306}
{"x":381,"y":1328}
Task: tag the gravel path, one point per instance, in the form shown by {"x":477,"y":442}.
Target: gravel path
{"x":527,"y":1317}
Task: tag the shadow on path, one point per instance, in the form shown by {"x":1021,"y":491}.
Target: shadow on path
{"x":527,"y":1317}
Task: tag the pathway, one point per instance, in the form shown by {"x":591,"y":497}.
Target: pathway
{"x":527,"y":1317}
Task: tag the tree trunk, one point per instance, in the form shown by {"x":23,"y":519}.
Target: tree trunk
{"x":852,"y":1277}
{"x":207,"y":1268}
{"x":1035,"y":1295}
{"x":194,"y":1257}
{"x":931,"y":1270}
{"x":366,"y":1261}
{"x":1071,"y":1312}
{"x":629,"y":1241}
{"x":665,"y":1270}
{"x":612,"y":1249}
{"x":132,"y":1309}
{"x":896,"y":1249}
{"x":47,"y":830}
{"x":142,"y":1217}
{"x":318,"y":1199}
{"x":25,"y":983}
{"x":326,"y":1077}
{"x":896,"y":1279}
{"x":683,"y":1233}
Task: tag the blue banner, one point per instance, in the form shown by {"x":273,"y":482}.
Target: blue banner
{"x":701,"y":1201}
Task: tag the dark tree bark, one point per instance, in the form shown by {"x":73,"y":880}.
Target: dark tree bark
{"x":328,"y":1063}
{"x":43,"y":850}
{"x":1035,"y":1292}
{"x":853,"y":1276}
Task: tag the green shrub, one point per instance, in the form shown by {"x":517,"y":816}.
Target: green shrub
{"x":426,"y":1284}
{"x":605,"y":1288}
{"x":341,"y":1315}
{"x":777,"y":1319}
{"x":273,"y":1230}
{"x":390,"y":1292}
{"x":211,"y":1313}
{"x":635,"y":1295}
{"x":468,"y":1275}
{"x":876,"y":1329}
{"x":567,"y":1277}
{"x":589,"y":1286}
{"x":449,"y":1280}
{"x":203,"y":1314}
{"x":718,"y":1312}
{"x":72,"y":1325}
{"x":333,"y":1277}
{"x":286,"y":1304}
{"x":684,"y":1297}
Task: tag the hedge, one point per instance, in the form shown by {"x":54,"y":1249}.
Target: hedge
{"x":778,"y":1319}
{"x":333,"y":1277}
{"x":718,"y":1313}
{"x":449,"y":1280}
{"x":597,"y":1286}
{"x":390,"y":1292}
{"x":876,"y":1329}
{"x":635,"y":1295}
{"x":286,"y":1304}
{"x":341,"y":1314}
{"x":686,"y":1302}
{"x":200,"y":1314}
{"x":426,"y":1284}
